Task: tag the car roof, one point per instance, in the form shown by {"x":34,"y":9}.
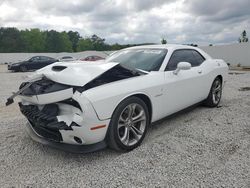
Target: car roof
{"x":164,"y":46}
{"x":66,"y":57}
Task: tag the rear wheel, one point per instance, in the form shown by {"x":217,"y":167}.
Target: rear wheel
{"x":215,"y":93}
{"x":128,"y":125}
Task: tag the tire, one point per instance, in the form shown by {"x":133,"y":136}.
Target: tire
{"x":215,"y":93}
{"x":124,"y":133}
{"x":23,"y":69}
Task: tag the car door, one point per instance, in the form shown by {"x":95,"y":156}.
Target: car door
{"x":45,"y":61}
{"x":32,"y":65}
{"x":185,"y":88}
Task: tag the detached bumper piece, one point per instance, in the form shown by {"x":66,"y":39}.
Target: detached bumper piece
{"x":44,"y":121}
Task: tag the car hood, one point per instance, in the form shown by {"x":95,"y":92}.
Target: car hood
{"x":75,"y":74}
{"x":18,"y":63}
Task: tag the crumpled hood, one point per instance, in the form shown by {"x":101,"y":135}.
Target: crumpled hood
{"x":75,"y":74}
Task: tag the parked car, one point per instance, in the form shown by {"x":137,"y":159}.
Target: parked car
{"x":33,"y":63}
{"x":66,"y":58}
{"x":92,"y":58}
{"x":85,"y":107}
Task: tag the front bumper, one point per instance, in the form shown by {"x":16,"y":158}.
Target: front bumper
{"x":62,"y":146}
{"x":14,"y":68}
{"x":59,"y":114}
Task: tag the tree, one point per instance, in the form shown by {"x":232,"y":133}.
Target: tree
{"x":243,"y":37}
{"x":164,"y":41}
{"x":84,"y":44}
{"x":10,"y":40}
{"x":57,"y":42}
{"x":74,"y":37}
{"x":98,"y":43}
{"x":34,"y":40}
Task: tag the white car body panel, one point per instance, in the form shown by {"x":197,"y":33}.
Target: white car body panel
{"x":76,"y":74}
{"x":168,"y":93}
{"x":48,"y":97}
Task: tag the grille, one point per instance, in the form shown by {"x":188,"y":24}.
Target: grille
{"x":44,"y":121}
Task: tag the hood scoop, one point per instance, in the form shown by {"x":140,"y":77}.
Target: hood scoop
{"x":75,"y":74}
{"x":58,"y":68}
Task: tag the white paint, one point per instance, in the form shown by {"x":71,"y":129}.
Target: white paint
{"x":168,"y":93}
{"x":76,"y":73}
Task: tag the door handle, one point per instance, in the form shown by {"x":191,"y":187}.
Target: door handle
{"x":199,"y":71}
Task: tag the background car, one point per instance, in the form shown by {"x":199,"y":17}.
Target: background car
{"x":66,"y":59}
{"x":87,"y":106}
{"x":92,"y":58}
{"x":33,"y":63}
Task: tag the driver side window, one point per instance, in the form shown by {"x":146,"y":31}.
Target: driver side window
{"x":185,"y":55}
{"x":34,"y":58}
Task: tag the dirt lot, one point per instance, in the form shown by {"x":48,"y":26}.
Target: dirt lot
{"x":203,"y":147}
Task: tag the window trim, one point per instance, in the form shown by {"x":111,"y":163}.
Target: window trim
{"x":184,"y":49}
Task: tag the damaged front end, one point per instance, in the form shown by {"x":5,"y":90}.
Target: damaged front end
{"x":57,"y":112}
{"x":60,"y":113}
{"x":45,"y":121}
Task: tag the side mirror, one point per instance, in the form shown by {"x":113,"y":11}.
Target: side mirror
{"x":182,"y":66}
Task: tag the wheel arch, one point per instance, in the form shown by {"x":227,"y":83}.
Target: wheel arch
{"x":148,"y":103}
{"x":220,"y":77}
{"x":145,"y":98}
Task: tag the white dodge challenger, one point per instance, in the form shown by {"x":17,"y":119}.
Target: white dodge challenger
{"x":83,"y":107}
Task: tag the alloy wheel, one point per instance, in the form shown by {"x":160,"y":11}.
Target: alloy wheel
{"x":131,"y":124}
{"x":216,"y":92}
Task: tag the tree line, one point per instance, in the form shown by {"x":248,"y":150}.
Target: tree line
{"x":36,"y":40}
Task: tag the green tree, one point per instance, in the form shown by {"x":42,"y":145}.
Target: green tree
{"x":34,"y":40}
{"x":66,"y":44}
{"x":85,"y":44}
{"x":164,"y":41}
{"x":98,"y":43}
{"x":74,"y":37}
{"x":243,"y":37}
{"x":57,"y":42}
{"x":10,"y":40}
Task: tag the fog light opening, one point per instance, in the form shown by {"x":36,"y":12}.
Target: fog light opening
{"x":78,"y":140}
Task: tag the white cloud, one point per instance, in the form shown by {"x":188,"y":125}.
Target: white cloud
{"x":133,"y":21}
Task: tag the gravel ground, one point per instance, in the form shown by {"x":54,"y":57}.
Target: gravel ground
{"x":202,"y":147}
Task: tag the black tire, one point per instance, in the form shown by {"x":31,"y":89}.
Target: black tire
{"x":23,"y":68}
{"x":212,"y":100}
{"x":114,"y":133}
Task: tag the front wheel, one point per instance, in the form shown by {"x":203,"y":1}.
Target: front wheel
{"x":215,"y":93}
{"x":128,"y":125}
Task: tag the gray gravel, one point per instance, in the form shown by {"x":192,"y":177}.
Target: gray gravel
{"x":203,"y":147}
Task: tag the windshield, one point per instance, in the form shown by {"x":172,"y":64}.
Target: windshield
{"x":146,"y":59}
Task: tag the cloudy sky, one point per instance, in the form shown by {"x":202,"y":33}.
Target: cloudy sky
{"x":134,"y":21}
